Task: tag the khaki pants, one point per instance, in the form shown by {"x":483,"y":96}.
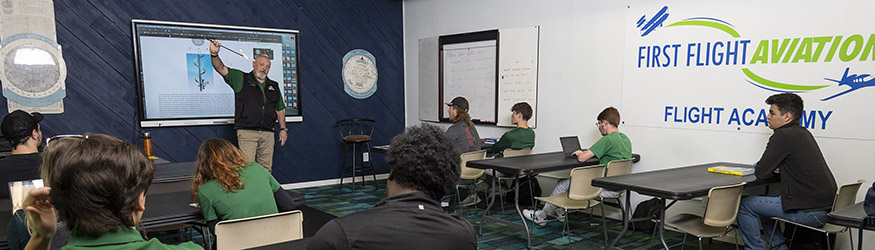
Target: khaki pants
{"x":256,"y":146}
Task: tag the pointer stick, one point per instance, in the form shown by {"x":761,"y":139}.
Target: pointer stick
{"x":232,"y":50}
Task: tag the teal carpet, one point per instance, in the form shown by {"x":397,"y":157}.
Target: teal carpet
{"x":587,"y":231}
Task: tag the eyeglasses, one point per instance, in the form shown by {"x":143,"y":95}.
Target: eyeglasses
{"x":64,"y":136}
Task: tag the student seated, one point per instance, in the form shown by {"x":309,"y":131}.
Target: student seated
{"x":226,"y":186}
{"x":612,"y":146}
{"x":518,"y":138}
{"x":97,"y":184}
{"x":462,"y":132}
{"x":791,"y":153}
{"x":425,"y":164}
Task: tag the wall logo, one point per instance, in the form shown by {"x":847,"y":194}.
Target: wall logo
{"x":738,"y":52}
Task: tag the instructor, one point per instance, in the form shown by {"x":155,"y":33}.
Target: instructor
{"x":257,"y":105}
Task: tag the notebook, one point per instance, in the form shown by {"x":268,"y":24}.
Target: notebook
{"x":569,"y":145}
{"x":740,"y":171}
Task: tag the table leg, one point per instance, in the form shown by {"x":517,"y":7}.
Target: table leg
{"x":626,"y":216}
{"x":520,"y":212}
{"x":489,"y":205}
{"x":662,"y":222}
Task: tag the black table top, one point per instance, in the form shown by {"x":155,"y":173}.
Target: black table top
{"x":181,"y":171}
{"x":677,"y":183}
{"x":850,"y":216}
{"x":535,"y":163}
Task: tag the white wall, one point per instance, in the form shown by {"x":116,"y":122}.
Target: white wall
{"x":581,"y":71}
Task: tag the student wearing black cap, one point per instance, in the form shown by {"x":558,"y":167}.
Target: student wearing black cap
{"x":463,"y":132}
{"x":23,"y":132}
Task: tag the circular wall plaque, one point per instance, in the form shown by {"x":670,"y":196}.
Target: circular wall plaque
{"x":359,"y":73}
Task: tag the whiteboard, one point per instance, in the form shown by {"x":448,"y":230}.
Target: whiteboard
{"x":469,"y":71}
{"x":517,"y":72}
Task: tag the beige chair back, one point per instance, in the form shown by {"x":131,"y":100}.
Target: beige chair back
{"x":471,"y":173}
{"x":619,"y":167}
{"x":722,"y":207}
{"x":846,"y":195}
{"x":516,"y":152}
{"x":581,"y":182}
{"x":259,"y":230}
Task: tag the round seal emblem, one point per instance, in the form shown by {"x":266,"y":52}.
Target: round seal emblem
{"x":359,"y":73}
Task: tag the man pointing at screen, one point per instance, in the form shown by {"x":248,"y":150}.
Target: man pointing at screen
{"x":257,"y":105}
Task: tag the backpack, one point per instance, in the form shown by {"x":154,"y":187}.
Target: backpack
{"x":869,"y":201}
{"x":648,"y":210}
{"x":526,"y":194}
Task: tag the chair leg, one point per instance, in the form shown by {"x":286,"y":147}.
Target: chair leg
{"x":700,"y":244}
{"x":458,"y":203}
{"x":851,"y":239}
{"x":354,"y":166}
{"x":604,"y":223}
{"x":343,"y":164}
{"x":828,"y":246}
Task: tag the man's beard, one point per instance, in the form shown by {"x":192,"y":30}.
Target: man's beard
{"x":260,"y":75}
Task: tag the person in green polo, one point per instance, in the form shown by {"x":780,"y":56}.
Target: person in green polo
{"x":613,"y":145}
{"x":518,"y":138}
{"x":97,"y":184}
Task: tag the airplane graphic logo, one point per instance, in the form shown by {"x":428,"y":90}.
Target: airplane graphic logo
{"x":854,"y":81}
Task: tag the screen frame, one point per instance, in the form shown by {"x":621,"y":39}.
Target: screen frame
{"x":477,"y":36}
{"x":169,"y":122}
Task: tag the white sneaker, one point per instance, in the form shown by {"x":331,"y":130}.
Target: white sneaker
{"x":531,"y":215}
{"x":471,"y":200}
{"x":560,"y":215}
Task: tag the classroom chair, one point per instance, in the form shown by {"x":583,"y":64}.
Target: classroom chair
{"x":260,"y":230}
{"x":469,"y":177}
{"x":846,"y":195}
{"x":356,"y":133}
{"x":720,"y":212}
{"x":614,"y":168}
{"x":581,"y":195}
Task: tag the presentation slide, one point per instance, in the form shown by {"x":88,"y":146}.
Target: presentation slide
{"x":178,"y":80}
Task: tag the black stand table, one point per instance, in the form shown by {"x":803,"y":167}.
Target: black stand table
{"x":682,"y":183}
{"x":529,"y":165}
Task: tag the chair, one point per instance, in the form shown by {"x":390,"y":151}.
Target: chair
{"x":581,"y":194}
{"x":846,"y":195}
{"x":614,"y":168}
{"x":469,"y":176}
{"x":720,"y":211}
{"x":507,"y":153}
{"x":260,"y":230}
{"x":355,"y":134}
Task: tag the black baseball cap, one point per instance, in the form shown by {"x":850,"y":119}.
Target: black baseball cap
{"x":459,"y":102}
{"x":19,"y":124}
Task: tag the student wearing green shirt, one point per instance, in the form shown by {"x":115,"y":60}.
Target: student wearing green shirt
{"x":612,"y":146}
{"x":227,"y":186}
{"x":97,"y":184}
{"x":518,"y":138}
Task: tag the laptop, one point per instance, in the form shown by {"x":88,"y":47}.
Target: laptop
{"x":569,"y":145}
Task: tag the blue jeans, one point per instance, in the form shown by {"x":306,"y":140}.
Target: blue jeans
{"x":763,"y":208}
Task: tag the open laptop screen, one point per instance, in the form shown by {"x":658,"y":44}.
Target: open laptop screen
{"x":569,"y":144}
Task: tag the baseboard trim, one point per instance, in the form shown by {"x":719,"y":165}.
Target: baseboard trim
{"x":320,"y":183}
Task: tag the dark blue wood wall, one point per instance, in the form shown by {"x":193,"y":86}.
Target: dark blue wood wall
{"x":101,"y":93}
